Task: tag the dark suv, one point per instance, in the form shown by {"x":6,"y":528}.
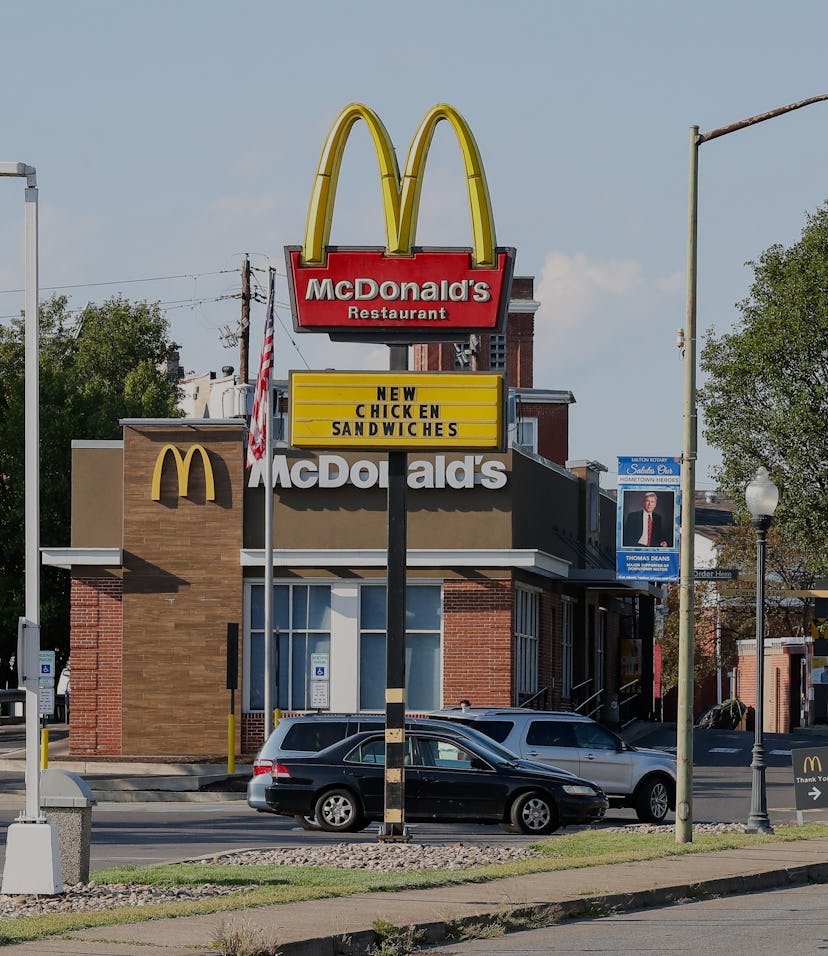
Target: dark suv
{"x":630,"y":776}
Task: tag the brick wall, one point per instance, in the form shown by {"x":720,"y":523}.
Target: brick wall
{"x":477,"y":642}
{"x":549,"y":665}
{"x":252,"y":733}
{"x":97,"y":665}
{"x":777,"y":688}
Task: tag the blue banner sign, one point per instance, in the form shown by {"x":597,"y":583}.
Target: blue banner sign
{"x":647,"y":525}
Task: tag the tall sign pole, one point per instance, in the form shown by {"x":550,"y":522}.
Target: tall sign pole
{"x":397,"y":295}
{"x":393,"y":828}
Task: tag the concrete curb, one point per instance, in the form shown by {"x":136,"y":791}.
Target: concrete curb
{"x":522,"y":917}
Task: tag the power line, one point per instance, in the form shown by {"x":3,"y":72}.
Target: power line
{"x":89,"y":285}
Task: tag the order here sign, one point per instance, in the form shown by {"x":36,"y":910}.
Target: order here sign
{"x":399,"y":410}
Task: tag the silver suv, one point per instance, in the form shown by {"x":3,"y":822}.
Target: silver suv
{"x":630,"y":776}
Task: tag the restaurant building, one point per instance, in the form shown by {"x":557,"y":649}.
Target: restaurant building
{"x":511,"y":596}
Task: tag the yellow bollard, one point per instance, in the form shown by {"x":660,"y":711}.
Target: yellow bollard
{"x":231,"y":743}
{"x":44,"y":748}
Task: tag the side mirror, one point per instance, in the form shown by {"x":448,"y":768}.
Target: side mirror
{"x":478,"y":764}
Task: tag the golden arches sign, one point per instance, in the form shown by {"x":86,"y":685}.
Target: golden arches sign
{"x":811,"y":764}
{"x":399,"y":293}
{"x":400,"y":195}
{"x":182,"y":466}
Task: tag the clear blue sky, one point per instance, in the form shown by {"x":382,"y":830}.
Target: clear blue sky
{"x":172,"y":136}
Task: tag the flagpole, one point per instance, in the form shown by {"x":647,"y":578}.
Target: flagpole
{"x":269,"y":657}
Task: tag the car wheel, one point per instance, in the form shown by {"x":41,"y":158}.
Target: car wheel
{"x":338,"y":812}
{"x":306,"y":823}
{"x":535,"y":813}
{"x":652,"y":800}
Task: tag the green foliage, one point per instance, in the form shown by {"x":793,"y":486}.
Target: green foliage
{"x":766,"y":396}
{"x":93,"y":372}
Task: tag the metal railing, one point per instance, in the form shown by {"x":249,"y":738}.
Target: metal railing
{"x":538,"y":700}
{"x":587,"y":708}
{"x":629,"y":694}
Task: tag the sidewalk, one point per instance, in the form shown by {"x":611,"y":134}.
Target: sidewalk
{"x":344,"y":925}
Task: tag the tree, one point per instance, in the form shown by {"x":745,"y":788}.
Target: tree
{"x":103,"y":367}
{"x":766,"y":396}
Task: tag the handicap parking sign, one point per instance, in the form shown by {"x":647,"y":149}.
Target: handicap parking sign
{"x":319,"y":666}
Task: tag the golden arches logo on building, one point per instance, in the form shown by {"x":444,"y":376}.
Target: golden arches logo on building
{"x":183,"y":464}
{"x":812,"y":764}
{"x":438,"y":292}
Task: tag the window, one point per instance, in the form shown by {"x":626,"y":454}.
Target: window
{"x":594,"y":737}
{"x":443,"y":754}
{"x":497,"y":353}
{"x":567,"y":647}
{"x":373,"y":751}
{"x":550,"y":733}
{"x":313,"y":737}
{"x":526,"y":433}
{"x":302,"y":621}
{"x":526,"y":640}
{"x":498,"y":730}
{"x":423,"y":615}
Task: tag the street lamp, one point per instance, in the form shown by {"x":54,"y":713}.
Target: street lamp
{"x":684,"y":722}
{"x":32,"y":863}
{"x":762,"y":497}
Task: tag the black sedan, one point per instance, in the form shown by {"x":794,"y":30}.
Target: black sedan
{"x":447,"y":780}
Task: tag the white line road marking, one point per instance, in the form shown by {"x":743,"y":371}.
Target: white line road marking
{"x":725,"y":750}
{"x":780,"y":753}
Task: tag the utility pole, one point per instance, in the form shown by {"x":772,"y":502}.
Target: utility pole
{"x":244,"y":337}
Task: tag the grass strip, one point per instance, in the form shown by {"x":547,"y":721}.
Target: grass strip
{"x":265,"y":885}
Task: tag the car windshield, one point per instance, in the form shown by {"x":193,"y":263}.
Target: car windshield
{"x":498,"y":750}
{"x":489,"y":750}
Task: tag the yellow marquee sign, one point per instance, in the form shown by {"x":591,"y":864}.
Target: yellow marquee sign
{"x":396,"y":410}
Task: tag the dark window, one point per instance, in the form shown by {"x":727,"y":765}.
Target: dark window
{"x":498,"y":730}
{"x":594,"y":737}
{"x":311,"y":737}
{"x":550,"y":733}
{"x":372,"y":751}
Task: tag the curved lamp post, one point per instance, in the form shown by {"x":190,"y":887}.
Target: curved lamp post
{"x":684,"y":723}
{"x":762,"y":497}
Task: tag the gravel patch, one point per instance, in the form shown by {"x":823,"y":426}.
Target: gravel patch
{"x":84,"y":897}
{"x":383,"y":857}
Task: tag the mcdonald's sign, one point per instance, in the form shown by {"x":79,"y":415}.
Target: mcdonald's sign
{"x":399,"y":292}
{"x":183,"y":464}
{"x":810,"y":780}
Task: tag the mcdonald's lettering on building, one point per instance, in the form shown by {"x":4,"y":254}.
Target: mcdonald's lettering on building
{"x":399,"y":291}
{"x":418,"y":410}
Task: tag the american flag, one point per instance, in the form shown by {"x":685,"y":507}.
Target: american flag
{"x":258,"y":438}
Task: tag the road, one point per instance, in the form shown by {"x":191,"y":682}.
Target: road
{"x":145,"y":833}
{"x":754,"y":924}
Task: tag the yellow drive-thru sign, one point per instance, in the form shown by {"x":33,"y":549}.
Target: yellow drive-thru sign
{"x":396,"y":410}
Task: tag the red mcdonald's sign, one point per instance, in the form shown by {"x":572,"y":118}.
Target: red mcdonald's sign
{"x":399,"y":291}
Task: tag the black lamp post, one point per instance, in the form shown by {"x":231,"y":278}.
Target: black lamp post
{"x":762,"y":497}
